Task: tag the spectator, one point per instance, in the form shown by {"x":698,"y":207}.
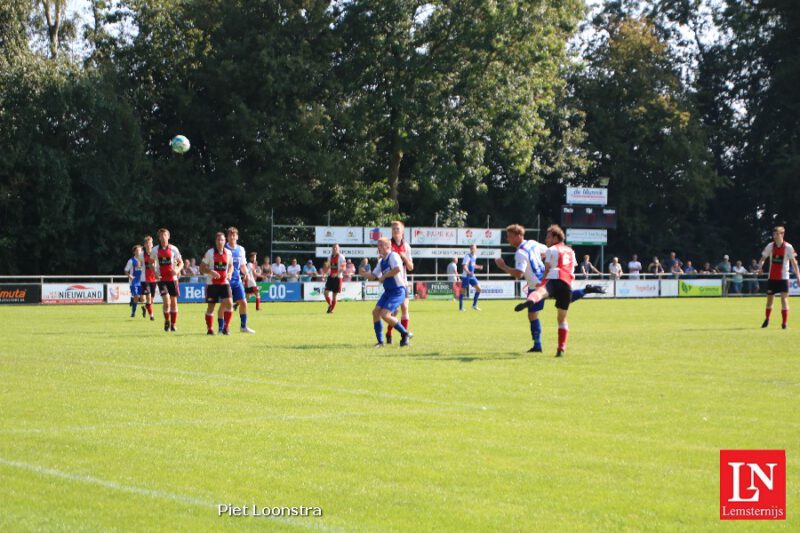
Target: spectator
{"x":614,"y":269}
{"x":266,"y":270}
{"x":706,"y":269}
{"x":689,"y":271}
{"x":293,"y":271}
{"x":655,"y":267}
{"x":587,"y":268}
{"x":676,"y":269}
{"x":738,"y":277}
{"x":363,"y":267}
{"x":349,"y":270}
{"x":724,"y":266}
{"x":673,"y":258}
{"x":752,"y":281}
{"x":452,"y":275}
{"x":278,"y":269}
{"x":634,"y":267}
{"x":309,"y":271}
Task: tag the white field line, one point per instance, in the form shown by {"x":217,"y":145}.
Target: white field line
{"x":202,"y":422}
{"x":258,"y":381}
{"x":307,"y":523}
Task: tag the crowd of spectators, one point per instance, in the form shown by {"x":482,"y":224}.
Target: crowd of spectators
{"x":741,"y":279}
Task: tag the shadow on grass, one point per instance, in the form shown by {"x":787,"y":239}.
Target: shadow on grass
{"x":721,"y":329}
{"x":465,"y":358}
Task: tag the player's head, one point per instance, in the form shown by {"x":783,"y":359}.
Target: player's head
{"x":397,"y":230}
{"x":137,"y":249}
{"x":233,"y":236}
{"x":219,"y":241}
{"x":515,"y":234}
{"x":473,"y":249}
{"x":335,"y":249}
{"x":555,"y":234}
{"x":777,"y":233}
{"x":148,"y":242}
{"x":252,"y":256}
{"x":163,"y":236}
{"x":384,"y":246}
{"x":634,"y":257}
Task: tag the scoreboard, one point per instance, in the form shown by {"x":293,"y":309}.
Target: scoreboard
{"x":588,"y":216}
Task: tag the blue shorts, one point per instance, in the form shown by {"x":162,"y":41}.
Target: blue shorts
{"x":470,"y":281}
{"x":237,"y":290}
{"x":392,"y":299}
{"x":535,"y":308}
{"x":136,"y":289}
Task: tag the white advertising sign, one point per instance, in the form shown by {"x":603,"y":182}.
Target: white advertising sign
{"x":669,"y":287}
{"x":434,"y":236}
{"x":607,"y":284}
{"x":120,"y":293}
{"x":72,"y":293}
{"x":373,"y":290}
{"x":371,"y":235}
{"x":419,"y":253}
{"x":314,"y":291}
{"x":587,"y":236}
{"x":794,"y":288}
{"x":587,"y":195}
{"x":348,"y":252}
{"x":637,"y":288}
{"x":339,"y":234}
{"x":497,"y":290}
{"x":479,"y":236}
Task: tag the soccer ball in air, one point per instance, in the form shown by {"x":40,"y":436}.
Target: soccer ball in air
{"x":179,"y":144}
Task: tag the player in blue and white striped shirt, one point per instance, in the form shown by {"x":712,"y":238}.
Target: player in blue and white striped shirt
{"x":390,"y":272}
{"x":469,"y":264}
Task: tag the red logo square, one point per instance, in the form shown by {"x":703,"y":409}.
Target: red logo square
{"x":752,"y":484}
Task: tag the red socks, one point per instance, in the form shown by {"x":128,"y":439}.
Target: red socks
{"x":327,"y":299}
{"x":785,"y":315}
{"x":768,"y":312}
{"x":389,"y":329}
{"x":149,"y":309}
{"x":563,"y":330}
{"x":333,"y":303}
{"x":258,"y":301}
{"x":404,"y":323}
{"x":210,"y":321}
{"x":227,"y":317}
{"x":173,"y":317}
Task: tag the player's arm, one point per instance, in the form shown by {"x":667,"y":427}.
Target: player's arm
{"x":229,"y":270}
{"x":391,"y":273}
{"x":178,"y":261}
{"x":406,"y":258}
{"x":129,"y":269}
{"x":153,"y":264}
{"x":594,"y":269}
{"x":205,"y":265}
{"x":515,"y":273}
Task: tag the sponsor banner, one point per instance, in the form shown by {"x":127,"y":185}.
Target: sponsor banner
{"x":349,"y":252}
{"x":20,"y":293}
{"x":433,"y":290}
{"x":587,"y":195}
{"x":371,"y":235}
{"x":607,"y":284}
{"x":446,"y":236}
{"x":497,"y":290}
{"x":794,"y":288}
{"x":278,"y":292}
{"x":339,"y":234}
{"x":120,"y":293}
{"x":637,"y":288}
{"x":587,"y":236}
{"x":72,"y":293}
{"x":314,"y":291}
{"x":192,"y":293}
{"x":700,"y":287}
{"x":669,"y":288}
{"x":479,"y":236}
{"x":373,"y":290}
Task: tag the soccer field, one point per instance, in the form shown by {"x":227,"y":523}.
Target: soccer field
{"x":111,"y":423}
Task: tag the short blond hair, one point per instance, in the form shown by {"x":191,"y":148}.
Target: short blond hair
{"x":556,"y":231}
{"x":385,"y":240}
{"x":516,"y":229}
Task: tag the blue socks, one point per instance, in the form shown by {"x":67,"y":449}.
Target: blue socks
{"x":400,"y":328}
{"x":536,"y":332}
{"x":133,"y":305}
{"x":379,"y":331}
{"x":475,"y":299}
{"x":244,"y":320}
{"x":221,"y":323}
{"x":577,"y":294}
{"x":461,"y":299}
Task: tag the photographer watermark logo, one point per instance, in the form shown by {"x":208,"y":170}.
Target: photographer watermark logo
{"x":752,"y":484}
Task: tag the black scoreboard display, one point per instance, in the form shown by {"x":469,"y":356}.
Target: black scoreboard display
{"x":588,"y":216}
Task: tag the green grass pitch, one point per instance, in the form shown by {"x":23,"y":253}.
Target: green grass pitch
{"x":108,"y":423}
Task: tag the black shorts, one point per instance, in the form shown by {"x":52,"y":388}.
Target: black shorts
{"x":559,"y":291}
{"x":777,"y":286}
{"x":149,"y":288}
{"x":251,"y":290}
{"x":216,"y":293}
{"x":169,"y":287}
{"x":333,"y":285}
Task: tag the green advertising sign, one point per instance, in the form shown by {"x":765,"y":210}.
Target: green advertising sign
{"x":434,"y":290}
{"x":700,"y":287}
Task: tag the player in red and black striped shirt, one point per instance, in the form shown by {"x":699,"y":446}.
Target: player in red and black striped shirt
{"x":780,"y":255}
{"x":333,"y":285}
